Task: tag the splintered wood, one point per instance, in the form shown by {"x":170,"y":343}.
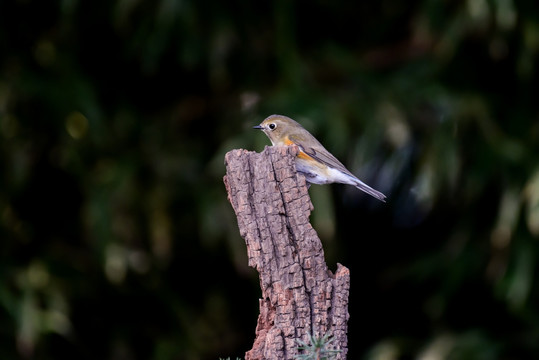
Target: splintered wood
{"x":300,"y":296}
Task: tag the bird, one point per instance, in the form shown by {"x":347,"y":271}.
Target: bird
{"x":316,"y":163}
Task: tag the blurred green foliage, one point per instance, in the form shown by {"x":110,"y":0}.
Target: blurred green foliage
{"x":117,"y":241}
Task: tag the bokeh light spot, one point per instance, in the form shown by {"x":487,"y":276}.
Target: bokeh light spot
{"x":76,"y":125}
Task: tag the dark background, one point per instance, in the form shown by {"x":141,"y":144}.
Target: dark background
{"x":117,"y":240}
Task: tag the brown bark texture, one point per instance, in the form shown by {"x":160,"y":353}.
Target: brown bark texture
{"x":300,"y":296}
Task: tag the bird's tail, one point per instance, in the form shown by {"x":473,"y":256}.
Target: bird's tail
{"x":366,"y":188}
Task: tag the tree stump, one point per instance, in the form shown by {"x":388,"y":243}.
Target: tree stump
{"x":300,"y":296}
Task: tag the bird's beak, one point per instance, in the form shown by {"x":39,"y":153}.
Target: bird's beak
{"x":259,"y":127}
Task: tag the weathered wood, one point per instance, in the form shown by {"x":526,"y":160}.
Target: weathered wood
{"x":300,"y":296}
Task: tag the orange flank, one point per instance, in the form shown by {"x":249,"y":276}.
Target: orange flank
{"x":304,"y":156}
{"x":288,"y":142}
{"x":301,"y":154}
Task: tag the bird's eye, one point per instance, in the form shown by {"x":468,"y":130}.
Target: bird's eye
{"x":272,"y":126}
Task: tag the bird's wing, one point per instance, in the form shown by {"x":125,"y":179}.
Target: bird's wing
{"x":318,"y":152}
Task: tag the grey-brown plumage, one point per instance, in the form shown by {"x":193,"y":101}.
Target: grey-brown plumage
{"x":317,"y":164}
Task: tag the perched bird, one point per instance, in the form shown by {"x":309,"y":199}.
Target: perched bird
{"x":313,"y":160}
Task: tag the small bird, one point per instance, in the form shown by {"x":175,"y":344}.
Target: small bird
{"x":313,"y":160}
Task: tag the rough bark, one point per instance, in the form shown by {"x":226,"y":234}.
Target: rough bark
{"x":300,"y":296}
